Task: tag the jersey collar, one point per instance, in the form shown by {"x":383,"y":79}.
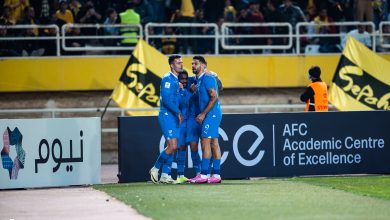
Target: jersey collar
{"x":173,"y":75}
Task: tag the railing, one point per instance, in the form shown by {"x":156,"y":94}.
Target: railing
{"x":226,"y":34}
{"x":221,"y":36}
{"x":24,"y":38}
{"x":341,"y":34}
{"x":384,"y":34}
{"x":215,"y":35}
{"x":66,"y":27}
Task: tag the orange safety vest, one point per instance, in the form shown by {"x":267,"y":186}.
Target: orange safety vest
{"x":320,"y":97}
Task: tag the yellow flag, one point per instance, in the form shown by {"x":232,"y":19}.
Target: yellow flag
{"x":139,"y":84}
{"x":361,"y":80}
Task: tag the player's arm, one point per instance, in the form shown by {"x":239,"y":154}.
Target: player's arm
{"x":213,"y":97}
{"x":166,"y":97}
{"x":309,"y":92}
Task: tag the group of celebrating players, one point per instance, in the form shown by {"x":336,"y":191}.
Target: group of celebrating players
{"x":189,"y":111}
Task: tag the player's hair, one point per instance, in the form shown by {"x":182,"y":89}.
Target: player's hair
{"x":201,"y":59}
{"x":172,"y":58}
{"x":184,"y":72}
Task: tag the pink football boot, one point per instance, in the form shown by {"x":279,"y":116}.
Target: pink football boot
{"x":214,"y":180}
{"x":198,"y":179}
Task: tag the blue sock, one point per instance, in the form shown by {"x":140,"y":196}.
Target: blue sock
{"x":210,"y":166}
{"x":167,"y":165}
{"x":205,"y":166}
{"x":160,"y":160}
{"x":217,"y":166}
{"x":196,"y":161}
{"x":180,"y":160}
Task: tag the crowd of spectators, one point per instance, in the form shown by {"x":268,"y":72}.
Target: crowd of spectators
{"x":59,"y":12}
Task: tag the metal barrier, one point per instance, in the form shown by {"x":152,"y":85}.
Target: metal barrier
{"x":383,"y":35}
{"x":149,"y":36}
{"x":344,"y":25}
{"x":66,"y":27}
{"x":33,"y":26}
{"x":225,"y":36}
{"x":217,"y":35}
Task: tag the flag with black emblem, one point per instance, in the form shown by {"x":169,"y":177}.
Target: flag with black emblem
{"x":361,"y":80}
{"x":139,"y":83}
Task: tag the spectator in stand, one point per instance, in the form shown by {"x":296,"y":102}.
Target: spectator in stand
{"x":380,"y":11}
{"x":112,"y":17}
{"x":30,"y":47}
{"x":50,"y":46}
{"x":229,"y":12}
{"x":129,"y":17}
{"x":383,"y":38}
{"x":6,"y":16}
{"x":44,"y":9}
{"x":359,"y":34}
{"x":292,"y":14}
{"x":272,"y":15}
{"x":75,"y":7}
{"x":7,"y":47}
{"x":169,"y":45}
{"x":64,"y":14}
{"x":29,"y":18}
{"x":17,"y":8}
{"x":255,"y":16}
{"x":75,"y":32}
{"x":204,"y":45}
{"x":145,"y":11}
{"x":364,"y":11}
{"x":186,"y":14}
{"x":242,"y":18}
{"x":89,"y":15}
{"x":322,"y":26}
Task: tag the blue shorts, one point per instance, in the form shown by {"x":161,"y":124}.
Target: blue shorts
{"x":193,"y":130}
{"x":169,"y":125}
{"x":183,"y":134}
{"x":210,"y":126}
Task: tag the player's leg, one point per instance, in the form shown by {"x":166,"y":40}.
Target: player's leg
{"x":195,"y":157}
{"x":180,"y":160}
{"x":167,"y":164}
{"x":216,"y":151}
{"x":171,"y":132}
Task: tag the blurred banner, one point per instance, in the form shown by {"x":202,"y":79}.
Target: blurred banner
{"x":361,"y":80}
{"x":271,"y":145}
{"x":50,"y":152}
{"x":139,"y":84}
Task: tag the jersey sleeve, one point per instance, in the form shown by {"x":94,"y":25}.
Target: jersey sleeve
{"x":167,"y":92}
{"x":210,"y":83}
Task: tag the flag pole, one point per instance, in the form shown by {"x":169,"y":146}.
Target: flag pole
{"x":105,"y":109}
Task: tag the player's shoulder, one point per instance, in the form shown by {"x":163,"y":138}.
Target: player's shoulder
{"x":211,"y":73}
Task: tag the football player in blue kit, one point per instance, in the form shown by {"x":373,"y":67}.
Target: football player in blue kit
{"x":209,"y":118}
{"x":169,"y":118}
{"x":185,"y":96}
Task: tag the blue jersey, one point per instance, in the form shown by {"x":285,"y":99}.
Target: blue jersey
{"x":169,"y":106}
{"x":205,"y":83}
{"x":185,"y":96}
{"x":169,"y":94}
{"x":194,"y":100}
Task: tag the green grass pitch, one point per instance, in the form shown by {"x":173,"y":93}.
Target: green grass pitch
{"x":357,"y":197}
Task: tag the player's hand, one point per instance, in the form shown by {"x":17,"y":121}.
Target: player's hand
{"x":181,"y":85}
{"x":193,"y":88}
{"x":181,"y":118}
{"x":200,"y":118}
